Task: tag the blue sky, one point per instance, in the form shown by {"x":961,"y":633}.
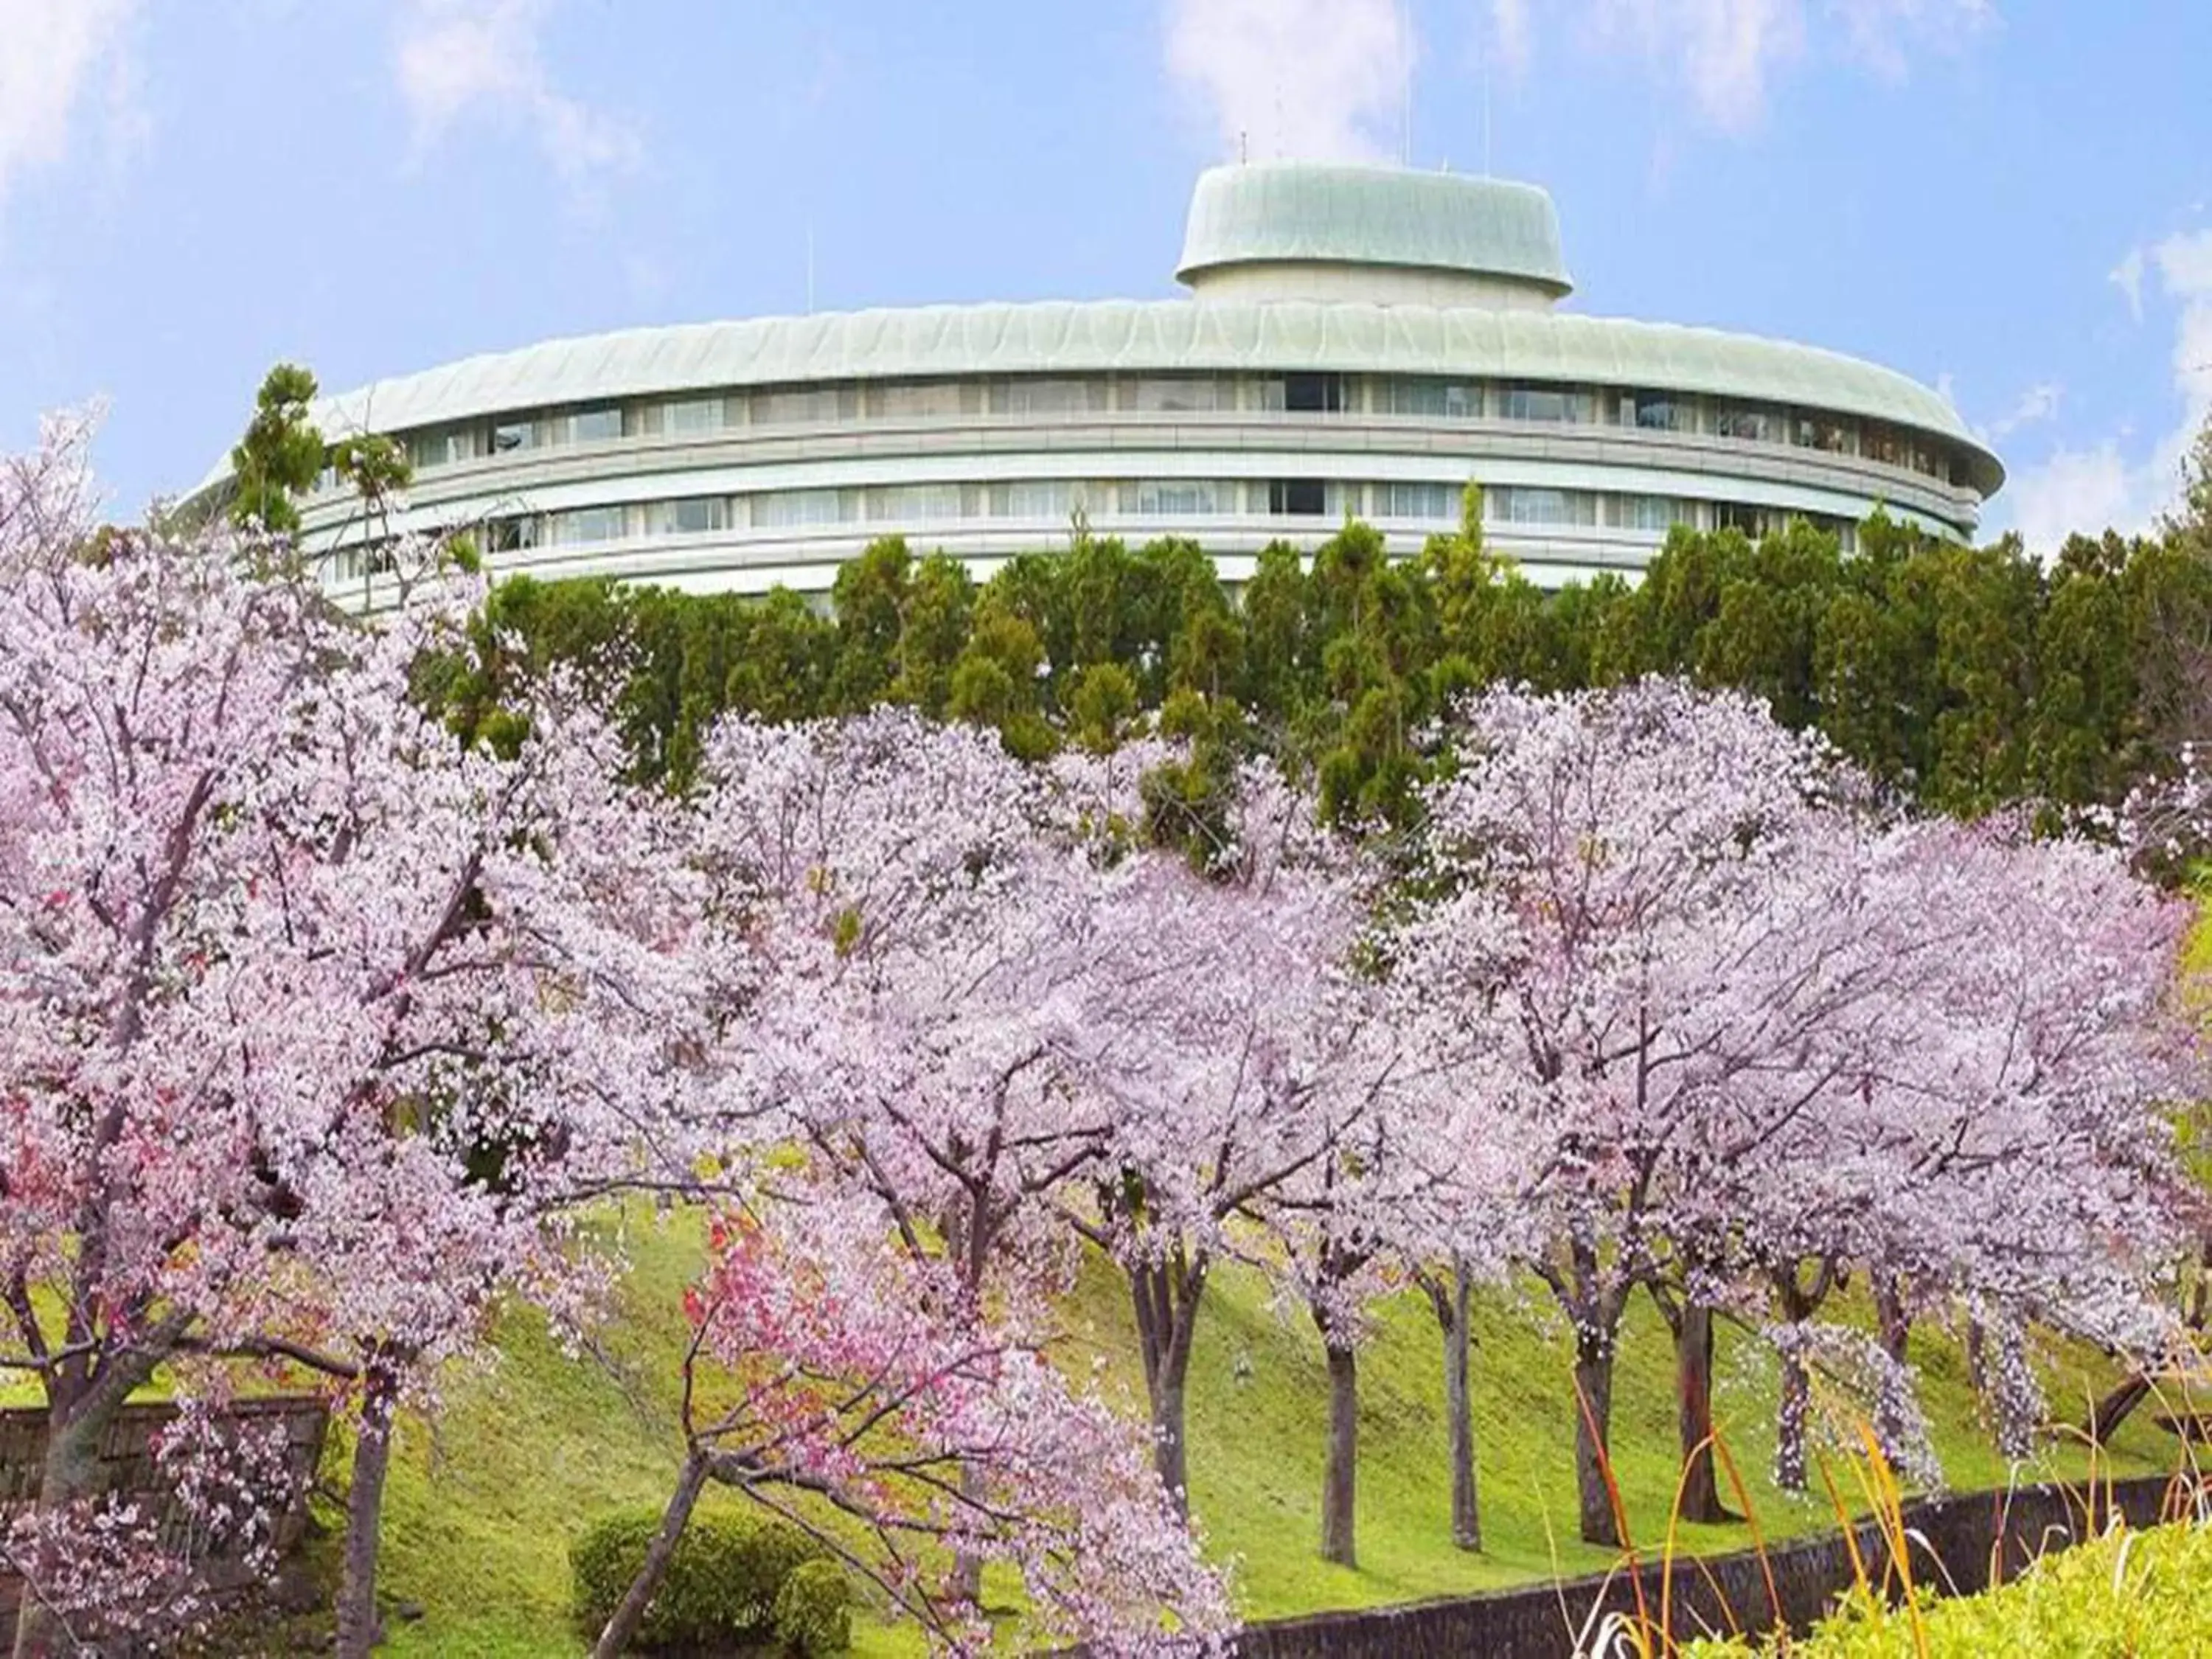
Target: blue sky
{"x":2008,"y":198}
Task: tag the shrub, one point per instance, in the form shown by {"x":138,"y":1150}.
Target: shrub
{"x":814,"y":1609}
{"x":2126,"y":1594}
{"x":722,"y":1583}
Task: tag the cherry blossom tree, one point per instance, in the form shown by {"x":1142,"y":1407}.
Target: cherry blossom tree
{"x":314,"y":1015}
{"x":1632,"y":913}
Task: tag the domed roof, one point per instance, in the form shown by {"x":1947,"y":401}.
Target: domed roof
{"x":1297,"y":212}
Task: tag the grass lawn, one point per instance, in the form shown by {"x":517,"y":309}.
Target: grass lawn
{"x":481,"y":1504}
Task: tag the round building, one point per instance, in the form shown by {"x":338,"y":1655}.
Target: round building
{"x":1357,"y":341}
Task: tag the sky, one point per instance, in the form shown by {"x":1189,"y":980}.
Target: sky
{"x":2008,"y":199}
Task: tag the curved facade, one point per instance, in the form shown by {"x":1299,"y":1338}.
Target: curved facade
{"x":1357,"y":341}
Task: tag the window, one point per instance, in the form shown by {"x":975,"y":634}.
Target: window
{"x":1650,"y":513}
{"x":791,"y":509}
{"x":1537,"y":403}
{"x":695,"y":414}
{"x":512,"y":535}
{"x":589,"y":523}
{"x":1883,"y":444}
{"x":1454,"y":400}
{"x":1822,"y":432}
{"x":814,"y":406}
{"x":1657,"y":411}
{"x":1416,"y":501}
{"x":1168,"y":396}
{"x":1033,"y":498}
{"x":595,"y":426}
{"x":924,"y":400}
{"x":1174,"y":497}
{"x":1521,"y":505}
{"x":1306,"y":498}
{"x":914,"y":503}
{"x":1757,"y":425}
{"x":1318,"y":394}
{"x":1046,"y":396}
{"x":693,"y":515}
{"x":512,"y":435}
{"x":1752,"y":521}
{"x":440,"y":447}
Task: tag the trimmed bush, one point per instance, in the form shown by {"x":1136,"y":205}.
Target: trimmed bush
{"x":722,"y":1583}
{"x":814,"y":1609}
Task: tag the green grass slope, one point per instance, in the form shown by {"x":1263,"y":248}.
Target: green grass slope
{"x":482,"y":1503}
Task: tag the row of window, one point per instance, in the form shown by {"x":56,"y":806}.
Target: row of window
{"x":1428,"y":397}
{"x":898,"y":508}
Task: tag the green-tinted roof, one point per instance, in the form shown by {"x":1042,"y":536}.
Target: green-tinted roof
{"x":1152,"y":336}
{"x":1298,"y":211}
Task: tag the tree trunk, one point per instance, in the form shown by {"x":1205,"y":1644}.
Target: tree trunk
{"x":1790,"y":1423}
{"x":1977,"y":1372}
{"x":1593,"y":1424}
{"x":1700,"y":1498}
{"x":1339,"y":1484}
{"x":2116,"y":1408}
{"x":358,"y":1630}
{"x":630,"y":1613}
{"x":966,"y":1584}
{"x":1889,"y":1310}
{"x":69,"y":1477}
{"x":1166,"y":1303}
{"x":1451,"y":1315}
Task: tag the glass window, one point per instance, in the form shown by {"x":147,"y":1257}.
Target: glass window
{"x":914,"y":503}
{"x":1884,"y":444}
{"x":440,"y":447}
{"x":1040,"y":396}
{"x":1417,"y":501}
{"x":1752,"y":521}
{"x":696,"y":415}
{"x":693,"y":515}
{"x":813,"y":405}
{"x":1162,"y":497}
{"x":1298,"y":497}
{"x":1314,"y":394}
{"x":513,"y":434}
{"x":1539,"y":403}
{"x":1429,"y":400}
{"x":514,"y":535}
{"x":1172,"y":395}
{"x":924,"y":400}
{"x":786,"y":509}
{"x":1823,"y":432}
{"x":1521,"y":504}
{"x":1033,"y":498}
{"x":1650,"y":513}
{"x":1657,"y":411}
{"x":1757,"y":426}
{"x":589,"y":523}
{"x":596,"y":426}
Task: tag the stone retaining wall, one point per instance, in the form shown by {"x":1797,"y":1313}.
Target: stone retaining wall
{"x":1962,"y":1536}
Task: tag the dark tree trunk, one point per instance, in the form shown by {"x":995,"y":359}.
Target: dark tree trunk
{"x":358,"y":1630}
{"x":1977,"y":1370}
{"x":967,"y":1581}
{"x":1593,"y":1426}
{"x":1450,"y":1304}
{"x":630,"y":1613}
{"x":1166,"y":1296}
{"x":1700,"y":1498}
{"x":1790,"y":1423}
{"x":1890,"y":1311}
{"x":2116,"y":1408}
{"x":1340,"y":1483}
{"x":70,"y":1476}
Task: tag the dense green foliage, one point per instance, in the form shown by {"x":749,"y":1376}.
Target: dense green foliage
{"x":1962,"y":677}
{"x":2126,"y":1594}
{"x":814,"y":1609}
{"x":725,"y":1584}
{"x":281,"y":453}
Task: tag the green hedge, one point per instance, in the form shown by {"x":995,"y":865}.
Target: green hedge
{"x":2127,"y":1595}
{"x":736,"y":1577}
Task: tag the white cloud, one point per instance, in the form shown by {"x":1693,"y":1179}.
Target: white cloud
{"x":1309,"y":80}
{"x":2129,"y":274}
{"x":457,"y":58}
{"x":2039,"y":403}
{"x":2106,"y":485}
{"x":48,"y":50}
{"x":1727,"y":53}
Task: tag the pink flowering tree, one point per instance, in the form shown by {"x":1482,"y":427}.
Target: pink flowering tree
{"x":919,"y":910}
{"x":1632,"y":916}
{"x":315,"y":1018}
